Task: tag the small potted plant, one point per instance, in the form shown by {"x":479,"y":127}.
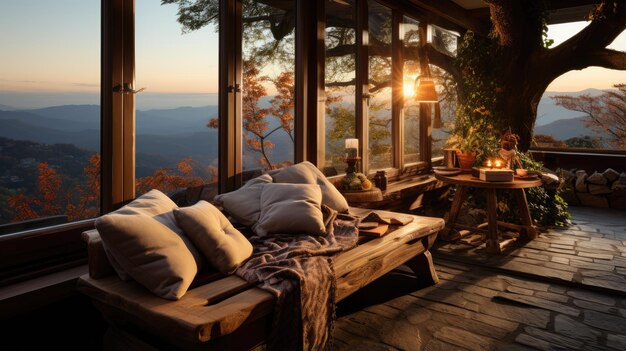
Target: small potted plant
{"x":473,"y":137}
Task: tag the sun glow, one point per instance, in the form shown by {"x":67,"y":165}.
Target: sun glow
{"x":409,"y":88}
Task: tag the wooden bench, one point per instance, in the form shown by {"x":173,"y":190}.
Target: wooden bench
{"x":228,"y":313}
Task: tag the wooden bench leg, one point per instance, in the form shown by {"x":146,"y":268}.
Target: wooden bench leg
{"x":424,"y":269}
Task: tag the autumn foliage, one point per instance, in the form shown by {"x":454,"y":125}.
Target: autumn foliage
{"x":256,"y":126}
{"x":78,"y":203}
{"x":607,"y":112}
{"x":83,"y":200}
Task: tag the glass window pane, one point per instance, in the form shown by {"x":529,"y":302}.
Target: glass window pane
{"x":380,"y":144}
{"x":443,"y":40}
{"x":340,"y":74}
{"x":49,"y":113}
{"x":268,"y":84}
{"x":176,"y":116}
{"x":411,"y":69}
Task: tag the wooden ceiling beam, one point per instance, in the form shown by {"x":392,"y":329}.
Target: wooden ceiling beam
{"x":454,"y":13}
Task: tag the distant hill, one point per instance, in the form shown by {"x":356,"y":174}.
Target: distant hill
{"x":18,"y":129}
{"x":179,"y":120}
{"x":548,"y":111}
{"x":6,"y":108}
{"x":567,"y":128}
{"x":163,"y":138}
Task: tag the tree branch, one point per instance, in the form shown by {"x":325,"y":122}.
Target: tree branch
{"x":609,"y":20}
{"x":607,"y":58}
{"x":587,"y":47}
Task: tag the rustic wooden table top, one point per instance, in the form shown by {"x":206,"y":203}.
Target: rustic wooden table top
{"x":469,"y":180}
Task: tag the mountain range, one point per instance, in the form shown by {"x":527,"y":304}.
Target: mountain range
{"x":165,"y":136}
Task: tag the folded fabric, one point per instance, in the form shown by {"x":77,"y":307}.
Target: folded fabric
{"x":145,"y":242}
{"x":306,"y":173}
{"x":216,"y":238}
{"x":243,"y":204}
{"x":290,"y":208}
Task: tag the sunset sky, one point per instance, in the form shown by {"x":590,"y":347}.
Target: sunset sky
{"x":54,"y":47}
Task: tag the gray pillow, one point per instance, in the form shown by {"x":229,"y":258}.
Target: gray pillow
{"x":220,"y":243}
{"x":145,"y":242}
{"x":306,"y":173}
{"x":290,"y":208}
{"x":244,"y":203}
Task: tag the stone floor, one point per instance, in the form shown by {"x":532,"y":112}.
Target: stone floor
{"x":592,"y":252}
{"x":563,"y":291}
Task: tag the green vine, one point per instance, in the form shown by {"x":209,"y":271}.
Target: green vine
{"x":479,"y":60}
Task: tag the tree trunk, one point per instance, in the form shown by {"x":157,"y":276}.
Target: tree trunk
{"x":521,"y":113}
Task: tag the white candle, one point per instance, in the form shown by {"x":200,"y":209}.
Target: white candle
{"x":352,"y":147}
{"x":352,"y":144}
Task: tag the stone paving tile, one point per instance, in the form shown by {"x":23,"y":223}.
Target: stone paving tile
{"x":454,"y":316}
{"x":585,"y":253}
{"x":566,"y":290}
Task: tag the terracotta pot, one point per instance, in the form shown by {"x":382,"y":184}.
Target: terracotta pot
{"x":466,"y":160}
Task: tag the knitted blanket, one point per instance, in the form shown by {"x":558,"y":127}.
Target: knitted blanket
{"x":298,"y":270}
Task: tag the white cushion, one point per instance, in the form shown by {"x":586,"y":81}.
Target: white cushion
{"x":290,"y":208}
{"x":145,"y":242}
{"x":244,"y":203}
{"x":216,"y":238}
{"x":306,"y":173}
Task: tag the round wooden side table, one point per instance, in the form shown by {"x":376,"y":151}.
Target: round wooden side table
{"x":463,"y":181}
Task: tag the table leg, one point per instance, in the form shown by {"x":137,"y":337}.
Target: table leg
{"x":529,"y":232}
{"x":457,"y":202}
{"x":493,"y":243}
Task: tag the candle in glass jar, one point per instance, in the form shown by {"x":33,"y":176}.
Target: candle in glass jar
{"x":352,"y":148}
{"x":489,"y":164}
{"x":498,"y":164}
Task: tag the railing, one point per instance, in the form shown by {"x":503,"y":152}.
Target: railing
{"x":588,"y":159}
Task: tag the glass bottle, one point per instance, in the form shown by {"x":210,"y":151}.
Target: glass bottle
{"x":380,"y":179}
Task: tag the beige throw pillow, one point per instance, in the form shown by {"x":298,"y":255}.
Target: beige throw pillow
{"x":145,"y":242}
{"x":290,"y":208}
{"x":244,"y":203}
{"x":306,"y":173}
{"x":220,"y":243}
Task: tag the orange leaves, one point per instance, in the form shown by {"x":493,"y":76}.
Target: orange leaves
{"x":256,"y":130}
{"x":20,"y":204}
{"x":606,"y":112}
{"x":77,"y":203}
{"x":213,"y":123}
{"x":168,"y":180}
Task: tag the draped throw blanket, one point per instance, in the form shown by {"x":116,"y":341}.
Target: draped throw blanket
{"x":298,"y":270}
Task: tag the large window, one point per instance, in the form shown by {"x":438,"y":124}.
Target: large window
{"x":268,"y":63}
{"x":176,"y":116}
{"x":380,"y":151}
{"x":49,"y":113}
{"x":339,"y":78}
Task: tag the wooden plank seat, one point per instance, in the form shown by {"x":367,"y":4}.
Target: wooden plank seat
{"x":226,"y":312}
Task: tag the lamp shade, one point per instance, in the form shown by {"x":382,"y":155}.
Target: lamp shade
{"x":425,"y":90}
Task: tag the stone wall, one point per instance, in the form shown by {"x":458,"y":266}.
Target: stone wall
{"x":606,"y":189}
